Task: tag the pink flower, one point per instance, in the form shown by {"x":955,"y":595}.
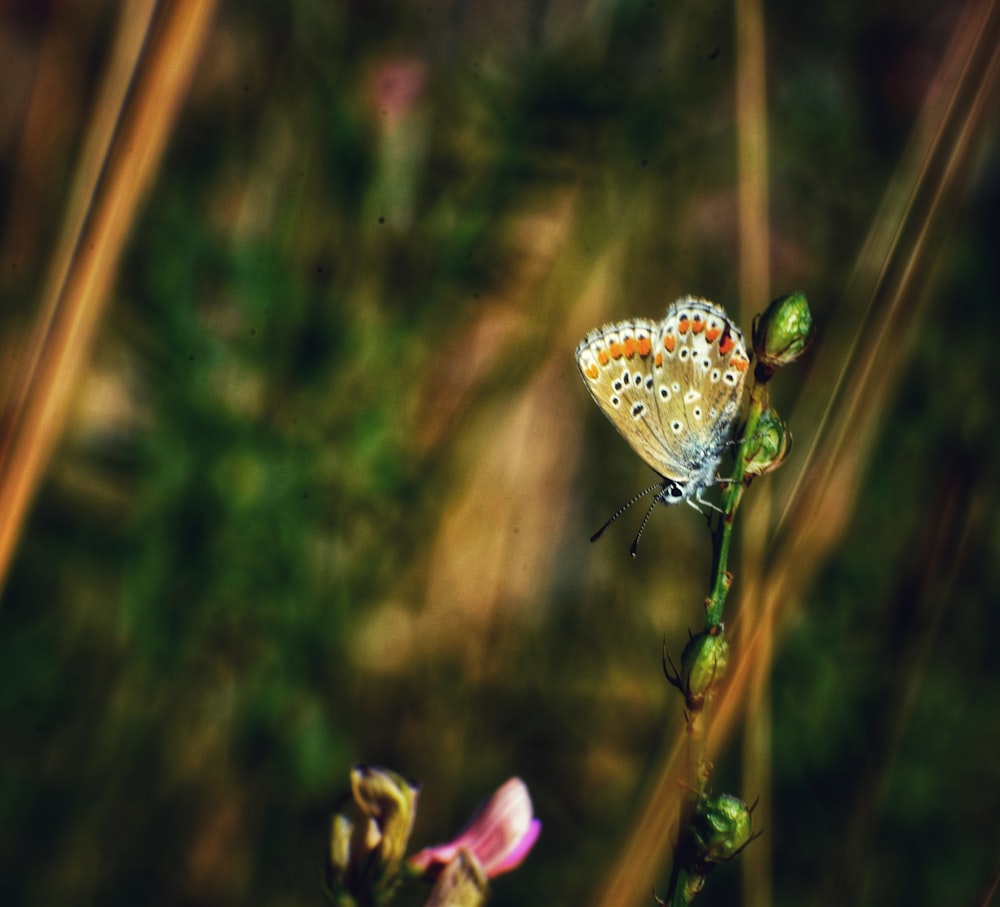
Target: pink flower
{"x":499,"y":835}
{"x":397,"y":86}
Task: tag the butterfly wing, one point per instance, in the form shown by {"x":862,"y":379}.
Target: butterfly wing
{"x":616,"y":362}
{"x":699,"y":373}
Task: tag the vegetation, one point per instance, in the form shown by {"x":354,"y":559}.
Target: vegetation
{"x":322,"y":483}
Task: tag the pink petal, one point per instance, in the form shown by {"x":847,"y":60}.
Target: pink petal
{"x":441,"y":855}
{"x":499,"y":836}
{"x":516,"y":856}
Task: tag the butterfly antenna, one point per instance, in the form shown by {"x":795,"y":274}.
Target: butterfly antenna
{"x":625,"y":507}
{"x":642,"y":525}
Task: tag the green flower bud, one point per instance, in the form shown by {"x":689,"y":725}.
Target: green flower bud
{"x":720,"y":828}
{"x":462,"y":883}
{"x":390,"y":803}
{"x":341,"y":831}
{"x":769,"y":446}
{"x":369,"y":834}
{"x":703,"y":664}
{"x":781,"y":334}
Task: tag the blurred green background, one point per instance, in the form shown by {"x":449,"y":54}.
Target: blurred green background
{"x":326,"y":491}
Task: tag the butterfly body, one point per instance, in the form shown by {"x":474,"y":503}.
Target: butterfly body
{"x":672,"y":388}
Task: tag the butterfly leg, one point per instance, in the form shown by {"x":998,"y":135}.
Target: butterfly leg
{"x":698,"y":501}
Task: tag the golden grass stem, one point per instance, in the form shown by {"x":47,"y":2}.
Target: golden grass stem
{"x":755,"y":292}
{"x":79,"y":281}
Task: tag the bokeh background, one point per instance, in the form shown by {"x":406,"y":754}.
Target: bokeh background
{"x":326,"y":481}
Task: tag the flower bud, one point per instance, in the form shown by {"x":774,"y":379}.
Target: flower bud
{"x":721,"y":827}
{"x":770,"y":444}
{"x":781,"y":334}
{"x":370,"y":832}
{"x":461,"y":884}
{"x":341,"y":831}
{"x":703,"y":664}
{"x":390,"y":803}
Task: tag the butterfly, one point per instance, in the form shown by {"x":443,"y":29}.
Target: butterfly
{"x":673,"y":389}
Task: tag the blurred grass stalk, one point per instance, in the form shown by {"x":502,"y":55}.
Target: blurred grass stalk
{"x":885,"y":299}
{"x":755,"y":292}
{"x":150,"y":68}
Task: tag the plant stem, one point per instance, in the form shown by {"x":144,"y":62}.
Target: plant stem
{"x":685,"y":883}
{"x":733,"y":495}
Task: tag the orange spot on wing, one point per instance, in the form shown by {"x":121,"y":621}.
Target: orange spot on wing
{"x":645,"y":347}
{"x":593,"y":371}
{"x":615,"y":348}
{"x":629,"y":345}
{"x":726,"y":344}
{"x":602,"y":357}
{"x":697,"y":326}
{"x":711,"y":333}
{"x":669,"y":342}
{"x":658,"y":361}
{"x":682,"y":325}
{"x":739,"y":363}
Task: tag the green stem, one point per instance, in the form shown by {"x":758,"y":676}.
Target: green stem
{"x":684,"y":882}
{"x":733,"y":495}
{"x":686,"y":886}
